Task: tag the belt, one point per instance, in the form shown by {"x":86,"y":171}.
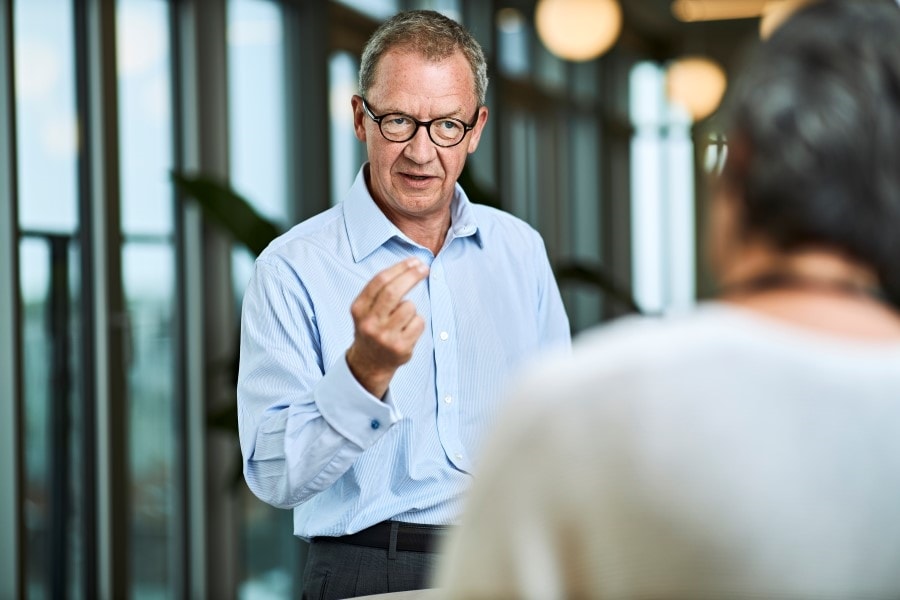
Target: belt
{"x":410,"y":537}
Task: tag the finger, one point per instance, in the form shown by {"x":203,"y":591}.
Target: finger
{"x":401,"y":316}
{"x":371,"y":289}
{"x":392,"y":293}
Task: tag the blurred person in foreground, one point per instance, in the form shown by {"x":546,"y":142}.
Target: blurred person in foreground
{"x":377,"y":336}
{"x":750,"y":449}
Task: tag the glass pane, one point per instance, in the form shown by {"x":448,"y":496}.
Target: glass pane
{"x":148,"y":267}
{"x":513,"y":42}
{"x":662,"y":180}
{"x":551,"y":70}
{"x":451,"y":8}
{"x":34,"y":256}
{"x":256,"y":106}
{"x":149,"y":289}
{"x":586,"y":305}
{"x":46,"y":121}
{"x":347,"y":152}
{"x":50,"y":293}
{"x":379,"y":9}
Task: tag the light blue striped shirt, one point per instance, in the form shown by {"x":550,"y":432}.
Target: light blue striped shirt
{"x":312,"y":438}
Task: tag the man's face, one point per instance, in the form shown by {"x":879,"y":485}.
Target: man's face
{"x":414,"y":180}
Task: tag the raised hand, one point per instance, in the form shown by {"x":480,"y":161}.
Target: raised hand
{"x":386,"y":326}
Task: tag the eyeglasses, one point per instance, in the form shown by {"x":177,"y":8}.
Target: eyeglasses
{"x":398,"y":127}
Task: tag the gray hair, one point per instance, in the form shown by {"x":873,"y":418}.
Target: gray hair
{"x":430,"y":34}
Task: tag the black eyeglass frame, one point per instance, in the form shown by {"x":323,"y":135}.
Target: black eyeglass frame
{"x":426,"y":124}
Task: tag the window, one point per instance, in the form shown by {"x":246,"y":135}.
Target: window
{"x":148,"y":275}
{"x":377,"y":9}
{"x":662,"y":182}
{"x":347,"y":152}
{"x":51,"y":294}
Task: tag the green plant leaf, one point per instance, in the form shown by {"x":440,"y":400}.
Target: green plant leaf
{"x":228,"y":209}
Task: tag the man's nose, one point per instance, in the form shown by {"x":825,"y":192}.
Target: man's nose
{"x":420,"y":148}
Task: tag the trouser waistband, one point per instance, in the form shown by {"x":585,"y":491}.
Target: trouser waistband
{"x":393,"y":536}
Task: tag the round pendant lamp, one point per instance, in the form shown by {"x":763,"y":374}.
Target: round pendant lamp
{"x":697,"y":84}
{"x":578,"y":30}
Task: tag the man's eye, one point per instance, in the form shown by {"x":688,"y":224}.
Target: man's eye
{"x":399,"y":121}
{"x":449,"y":125}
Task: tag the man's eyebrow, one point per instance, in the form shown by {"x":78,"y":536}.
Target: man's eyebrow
{"x":457,"y":113}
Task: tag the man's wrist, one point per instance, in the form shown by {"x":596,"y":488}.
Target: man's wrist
{"x":374,"y":381}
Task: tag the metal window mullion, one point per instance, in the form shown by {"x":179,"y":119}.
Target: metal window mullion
{"x":105,"y":439}
{"x":11,"y":521}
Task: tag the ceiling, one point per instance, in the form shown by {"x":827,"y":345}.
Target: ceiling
{"x":652,"y":30}
{"x":652,"y":22}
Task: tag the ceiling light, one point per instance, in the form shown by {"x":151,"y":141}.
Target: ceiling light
{"x":716,"y":10}
{"x":578,"y":30}
{"x":697,"y":84}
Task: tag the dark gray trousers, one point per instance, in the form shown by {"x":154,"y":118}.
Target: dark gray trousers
{"x":335,"y":570}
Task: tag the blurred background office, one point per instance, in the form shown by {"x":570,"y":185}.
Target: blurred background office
{"x":119,"y":295}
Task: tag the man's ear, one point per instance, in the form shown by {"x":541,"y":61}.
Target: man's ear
{"x":475,"y":135}
{"x":359,"y":118}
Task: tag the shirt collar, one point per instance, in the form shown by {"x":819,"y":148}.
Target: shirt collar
{"x":368,"y":228}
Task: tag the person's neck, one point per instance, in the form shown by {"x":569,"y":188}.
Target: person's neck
{"x":428,"y":230}
{"x":815,"y":289}
{"x":761,"y":268}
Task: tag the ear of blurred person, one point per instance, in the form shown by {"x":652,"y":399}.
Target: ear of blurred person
{"x":750,"y":448}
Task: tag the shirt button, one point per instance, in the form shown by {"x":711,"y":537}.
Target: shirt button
{"x":448,"y":399}
{"x":458,"y":456}
{"x":444,"y":335}
{"x":375,"y":424}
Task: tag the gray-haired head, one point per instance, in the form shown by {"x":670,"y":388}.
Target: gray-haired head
{"x":429,"y":34}
{"x":815,"y":124}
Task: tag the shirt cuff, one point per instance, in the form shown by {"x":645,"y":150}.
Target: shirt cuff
{"x":351,"y":410}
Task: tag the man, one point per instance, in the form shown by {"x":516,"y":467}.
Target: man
{"x":376,"y":336}
{"x":750,"y":449}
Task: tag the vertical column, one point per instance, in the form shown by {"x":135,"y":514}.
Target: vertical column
{"x":11,"y":555}
{"x":307,"y":114}
{"x":105,"y":469}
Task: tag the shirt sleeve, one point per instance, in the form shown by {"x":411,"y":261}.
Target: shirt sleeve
{"x":555,"y":331}
{"x":301,"y":423}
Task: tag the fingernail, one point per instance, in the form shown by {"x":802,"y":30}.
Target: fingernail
{"x":411,"y":262}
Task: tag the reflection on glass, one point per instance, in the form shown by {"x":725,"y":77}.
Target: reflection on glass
{"x":50,"y":293}
{"x":148,"y":266}
{"x":347,"y":152}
